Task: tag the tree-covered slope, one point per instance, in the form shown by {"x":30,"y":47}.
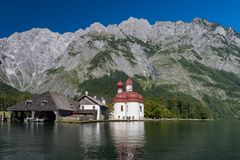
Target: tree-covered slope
{"x":10,"y":96}
{"x":160,"y":101}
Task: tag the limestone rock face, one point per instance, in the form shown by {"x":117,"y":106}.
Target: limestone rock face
{"x":164,"y":53}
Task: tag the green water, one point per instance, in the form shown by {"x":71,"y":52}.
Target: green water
{"x":208,"y":140}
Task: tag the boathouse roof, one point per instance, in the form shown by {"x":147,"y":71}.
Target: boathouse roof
{"x":48,"y":101}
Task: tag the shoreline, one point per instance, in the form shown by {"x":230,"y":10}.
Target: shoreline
{"x":144,"y":120}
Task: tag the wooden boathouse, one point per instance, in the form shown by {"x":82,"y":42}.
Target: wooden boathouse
{"x":48,"y":106}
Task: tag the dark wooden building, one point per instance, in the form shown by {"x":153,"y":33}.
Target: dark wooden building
{"x":48,"y":106}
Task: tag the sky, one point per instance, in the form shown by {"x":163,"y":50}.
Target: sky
{"x":70,"y":15}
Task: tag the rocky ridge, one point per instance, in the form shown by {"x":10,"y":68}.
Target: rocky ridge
{"x":198,"y":58}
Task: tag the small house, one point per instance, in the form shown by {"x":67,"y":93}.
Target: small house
{"x":91,"y":108}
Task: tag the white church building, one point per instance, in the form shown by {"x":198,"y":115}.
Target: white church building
{"x":128,"y":105}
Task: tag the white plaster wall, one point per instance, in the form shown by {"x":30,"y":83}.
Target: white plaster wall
{"x":90,"y":107}
{"x":117,"y":110}
{"x":142,"y":113}
{"x":133,"y":110}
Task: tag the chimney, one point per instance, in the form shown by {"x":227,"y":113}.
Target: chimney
{"x":86,"y":93}
{"x":103,"y":101}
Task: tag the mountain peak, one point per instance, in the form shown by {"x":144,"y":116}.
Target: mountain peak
{"x":135,"y":21}
{"x":97,"y":27}
{"x":203,"y":22}
{"x":139,"y":28}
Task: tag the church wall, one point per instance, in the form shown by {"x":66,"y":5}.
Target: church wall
{"x":118,"y":114}
{"x":133,"y":110}
{"x":141,"y":114}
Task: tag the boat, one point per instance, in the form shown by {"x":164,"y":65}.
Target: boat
{"x":38,"y":120}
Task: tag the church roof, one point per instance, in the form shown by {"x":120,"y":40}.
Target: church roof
{"x":120,"y":84}
{"x":129,"y":81}
{"x":128,"y":96}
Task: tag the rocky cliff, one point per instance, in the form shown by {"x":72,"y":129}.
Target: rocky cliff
{"x":199,"y":58}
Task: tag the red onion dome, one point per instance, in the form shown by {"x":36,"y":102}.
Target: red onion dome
{"x":141,"y":98}
{"x":132,"y":95}
{"x":129,"y":81}
{"x":128,"y":97}
{"x":120,"y":97}
{"x":120,"y":84}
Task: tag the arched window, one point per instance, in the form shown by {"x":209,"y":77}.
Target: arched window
{"x":132,"y":117}
{"x":118,"y":117}
{"x":140,"y":108}
{"x":93,"y":107}
{"x":82,"y":107}
{"x":121,"y":108}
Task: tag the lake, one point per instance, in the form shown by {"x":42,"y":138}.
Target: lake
{"x":173,"y":140}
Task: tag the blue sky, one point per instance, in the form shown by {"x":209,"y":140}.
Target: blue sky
{"x":70,"y":15}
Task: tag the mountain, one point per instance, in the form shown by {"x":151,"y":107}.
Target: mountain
{"x":200,"y":59}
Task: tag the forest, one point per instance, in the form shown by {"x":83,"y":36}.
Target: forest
{"x":159,"y":101}
{"x":10,"y":96}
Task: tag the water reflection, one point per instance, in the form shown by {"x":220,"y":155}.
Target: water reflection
{"x":176,"y":140}
{"x":128,"y":139}
{"x":118,"y":140}
{"x":121,"y":140}
{"x":89,"y":134}
{"x":22,"y":141}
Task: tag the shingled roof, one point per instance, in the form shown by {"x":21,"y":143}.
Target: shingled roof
{"x":48,"y":101}
{"x":91,"y":100}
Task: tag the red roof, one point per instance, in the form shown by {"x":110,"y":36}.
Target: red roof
{"x":128,"y":96}
{"x":120,"y":84}
{"x":129,"y":81}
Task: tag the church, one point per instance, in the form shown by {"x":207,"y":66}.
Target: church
{"x":128,"y":105}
